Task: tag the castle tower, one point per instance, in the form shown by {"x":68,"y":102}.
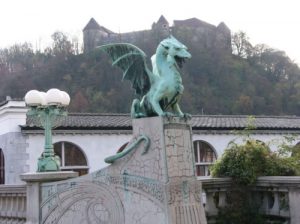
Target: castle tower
{"x":94,"y":35}
{"x":161,"y":28}
{"x":223,"y":37}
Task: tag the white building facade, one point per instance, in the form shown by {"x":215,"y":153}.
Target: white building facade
{"x":83,"y":141}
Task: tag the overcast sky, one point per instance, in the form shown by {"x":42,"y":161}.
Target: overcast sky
{"x":273,"y":22}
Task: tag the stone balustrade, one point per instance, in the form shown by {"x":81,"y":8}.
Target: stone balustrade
{"x":278,"y":197}
{"x":13,"y":204}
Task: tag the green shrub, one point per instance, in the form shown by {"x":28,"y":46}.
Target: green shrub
{"x":245,"y":162}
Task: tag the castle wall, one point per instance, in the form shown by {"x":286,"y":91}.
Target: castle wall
{"x":91,"y":38}
{"x":205,"y":35}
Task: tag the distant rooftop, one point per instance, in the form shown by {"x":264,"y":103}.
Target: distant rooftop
{"x":199,"y":122}
{"x":192,"y":22}
{"x":162,"y":19}
{"x":93,"y":25}
{"x":9,"y":99}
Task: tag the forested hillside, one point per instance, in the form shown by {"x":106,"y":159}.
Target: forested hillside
{"x":253,"y":80}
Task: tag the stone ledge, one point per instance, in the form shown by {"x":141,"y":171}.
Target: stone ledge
{"x":48,"y":176}
{"x":4,"y":189}
{"x":278,"y":181}
{"x":263,"y":181}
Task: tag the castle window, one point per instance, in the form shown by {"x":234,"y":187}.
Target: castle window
{"x":72,"y":157}
{"x":205,"y":156}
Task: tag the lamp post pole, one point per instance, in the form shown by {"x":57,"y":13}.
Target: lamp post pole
{"x":48,"y":134}
{"x":45,"y":108}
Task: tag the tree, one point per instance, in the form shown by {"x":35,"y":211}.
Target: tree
{"x":241,"y":45}
{"x":261,"y":80}
{"x":79,"y":103}
{"x":275,"y":64}
{"x":61,"y":45}
{"x":244,"y":104}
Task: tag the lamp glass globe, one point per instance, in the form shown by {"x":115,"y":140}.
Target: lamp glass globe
{"x":33,"y":98}
{"x":66,"y":98}
{"x":43,"y":96}
{"x":54,"y":97}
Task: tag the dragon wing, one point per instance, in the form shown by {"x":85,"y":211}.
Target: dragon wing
{"x":132,"y":61}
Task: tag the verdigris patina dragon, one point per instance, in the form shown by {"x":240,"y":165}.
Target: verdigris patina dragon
{"x":158,"y":91}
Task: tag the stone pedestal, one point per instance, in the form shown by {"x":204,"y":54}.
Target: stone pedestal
{"x":33,"y":182}
{"x":171,"y":141}
{"x":170,"y":153}
{"x":169,"y":161}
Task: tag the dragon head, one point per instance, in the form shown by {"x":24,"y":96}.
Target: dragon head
{"x":175,"y":50}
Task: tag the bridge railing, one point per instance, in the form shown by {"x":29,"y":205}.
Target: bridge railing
{"x":277,"y":197}
{"x":13,"y":204}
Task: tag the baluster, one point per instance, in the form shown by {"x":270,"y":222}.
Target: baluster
{"x":1,"y":205}
{"x":24,"y":205}
{"x":211,"y":205}
{"x":275,"y":209}
{"x":13,"y":202}
{"x":265,"y":202}
{"x":5,"y":205}
{"x":17,"y":209}
{"x":222,"y":199}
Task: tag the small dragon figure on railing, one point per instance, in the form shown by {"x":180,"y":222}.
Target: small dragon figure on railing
{"x":158,"y":91}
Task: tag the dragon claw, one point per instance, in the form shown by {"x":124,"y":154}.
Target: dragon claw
{"x":168,"y":114}
{"x":186,"y":116}
{"x":139,"y":115}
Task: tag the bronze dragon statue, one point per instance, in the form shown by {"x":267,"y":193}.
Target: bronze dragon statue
{"x":158,"y":91}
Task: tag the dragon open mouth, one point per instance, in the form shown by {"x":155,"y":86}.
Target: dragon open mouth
{"x":179,"y":61}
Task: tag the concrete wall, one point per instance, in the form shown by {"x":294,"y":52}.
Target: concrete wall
{"x":15,"y":155}
{"x":12,"y":142}
{"x":12,"y":115}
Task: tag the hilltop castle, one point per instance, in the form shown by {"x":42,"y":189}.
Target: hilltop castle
{"x":205,"y":34}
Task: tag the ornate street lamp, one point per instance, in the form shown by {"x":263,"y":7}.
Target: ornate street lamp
{"x":47,"y":108}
